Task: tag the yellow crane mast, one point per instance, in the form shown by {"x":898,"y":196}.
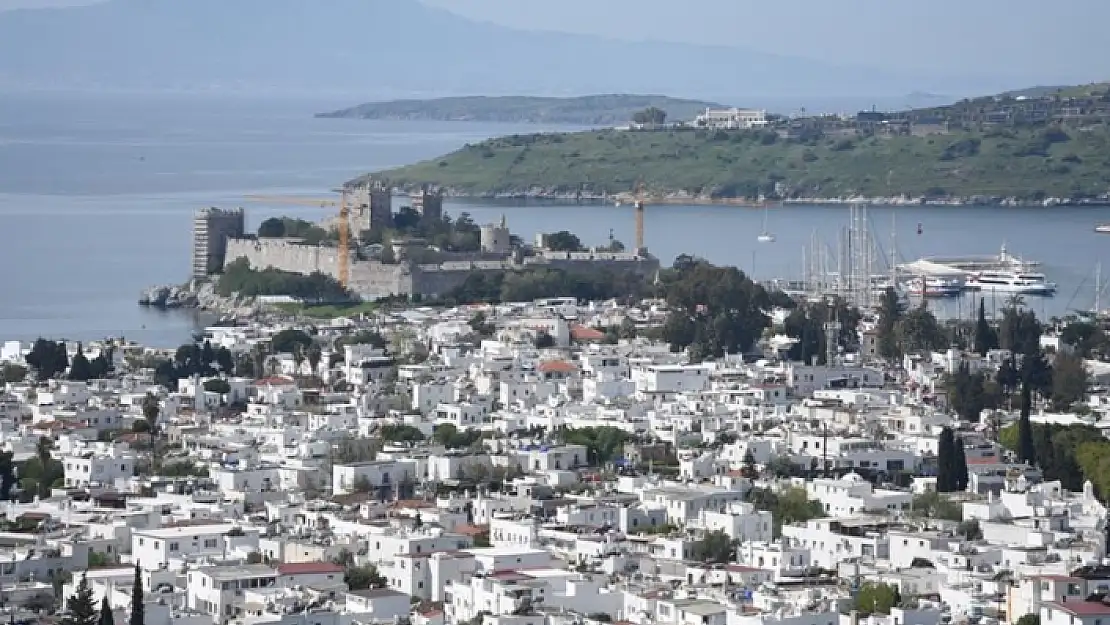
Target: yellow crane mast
{"x":344,"y":226}
{"x":640,"y":217}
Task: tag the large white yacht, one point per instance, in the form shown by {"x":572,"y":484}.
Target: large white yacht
{"x":935,"y":287}
{"x":1004,"y":281}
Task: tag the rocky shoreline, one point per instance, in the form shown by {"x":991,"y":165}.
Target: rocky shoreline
{"x":198,"y":295}
{"x":545,"y":194}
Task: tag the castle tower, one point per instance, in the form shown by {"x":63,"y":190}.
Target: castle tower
{"x":496,"y":239}
{"x":429,"y":204}
{"x":375,"y":207}
{"x":212,"y":228}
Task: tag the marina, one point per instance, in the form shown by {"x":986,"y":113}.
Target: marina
{"x":856,"y":268}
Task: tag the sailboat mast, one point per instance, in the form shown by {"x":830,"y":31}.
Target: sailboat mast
{"x":1098,"y":287}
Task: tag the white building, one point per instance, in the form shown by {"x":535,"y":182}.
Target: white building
{"x":88,"y":467}
{"x":732,"y":118}
{"x":156,"y":548}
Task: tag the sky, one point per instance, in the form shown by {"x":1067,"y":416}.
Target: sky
{"x":1062,"y":39}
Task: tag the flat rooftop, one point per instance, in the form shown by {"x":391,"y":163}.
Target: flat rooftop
{"x":245,"y":571}
{"x":187,"y":530}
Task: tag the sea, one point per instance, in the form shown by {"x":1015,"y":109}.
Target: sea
{"x":97,"y":194}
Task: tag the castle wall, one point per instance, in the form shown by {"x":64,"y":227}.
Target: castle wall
{"x":285,"y":255}
{"x":368,"y":279}
{"x":372,"y":279}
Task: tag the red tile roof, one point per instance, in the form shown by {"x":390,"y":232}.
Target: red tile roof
{"x":471,"y":530}
{"x":308,"y":568}
{"x":582,"y":333}
{"x":1081,"y":608}
{"x":556,"y":366}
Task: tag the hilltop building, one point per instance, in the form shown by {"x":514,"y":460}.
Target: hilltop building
{"x":732,"y":118}
{"x":212,"y":227}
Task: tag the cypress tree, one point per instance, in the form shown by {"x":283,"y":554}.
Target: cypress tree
{"x":946,"y":451}
{"x":1026,"y":451}
{"x":106,"y":617}
{"x":985,"y":337}
{"x":138,"y":616}
{"x":960,"y":466}
{"x":80,"y":369}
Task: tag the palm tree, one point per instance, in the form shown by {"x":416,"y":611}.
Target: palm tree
{"x":151,"y":409}
{"x":298,"y":358}
{"x":315,"y":354}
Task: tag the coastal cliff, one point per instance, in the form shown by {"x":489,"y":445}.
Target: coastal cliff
{"x":196,"y":294}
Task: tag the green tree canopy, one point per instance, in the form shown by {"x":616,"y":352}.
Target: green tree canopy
{"x":287,"y":341}
{"x":714,"y":310}
{"x":603,"y":444}
{"x":48,"y":359}
{"x":714,"y":547}
{"x":395,"y":433}
{"x":563,"y":241}
{"x":450,"y":437}
{"x":363,"y":577}
{"x":875,"y":597}
{"x":1069,"y":380}
{"x":890,"y":313}
{"x":650,"y":115}
{"x":217,"y":385}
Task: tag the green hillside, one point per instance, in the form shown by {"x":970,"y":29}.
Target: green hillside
{"x":593,"y":110}
{"x":1026,"y":163}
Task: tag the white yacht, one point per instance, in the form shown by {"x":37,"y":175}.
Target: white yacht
{"x":1020,"y":282}
{"x":935,"y":287}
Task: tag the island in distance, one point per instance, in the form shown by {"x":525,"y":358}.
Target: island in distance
{"x":589,"y":110}
{"x":1041,"y":149}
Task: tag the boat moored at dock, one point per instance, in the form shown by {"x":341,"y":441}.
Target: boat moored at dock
{"x":1016,"y":282}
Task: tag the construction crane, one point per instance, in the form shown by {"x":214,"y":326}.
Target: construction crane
{"x":344,"y":226}
{"x":640,"y":249}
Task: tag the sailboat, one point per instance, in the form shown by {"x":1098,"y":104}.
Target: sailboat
{"x":765,"y":236}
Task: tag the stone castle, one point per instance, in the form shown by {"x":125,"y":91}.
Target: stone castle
{"x":422,"y":271}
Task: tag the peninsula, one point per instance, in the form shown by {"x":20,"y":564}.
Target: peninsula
{"x":1042,"y":149}
{"x":590,"y":110}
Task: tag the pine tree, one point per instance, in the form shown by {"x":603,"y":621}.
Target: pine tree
{"x":1026,"y":450}
{"x":960,"y":466}
{"x":106,"y":617}
{"x":80,"y":608}
{"x":946,"y":452}
{"x":985,"y":337}
{"x":138,"y":616}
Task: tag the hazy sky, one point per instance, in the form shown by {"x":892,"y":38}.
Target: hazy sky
{"x":1062,"y":39}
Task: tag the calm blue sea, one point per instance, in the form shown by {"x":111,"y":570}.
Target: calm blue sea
{"x":96,"y":195}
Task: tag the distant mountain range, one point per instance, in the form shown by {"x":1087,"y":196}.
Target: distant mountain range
{"x":591,"y":110}
{"x":393,"y":48}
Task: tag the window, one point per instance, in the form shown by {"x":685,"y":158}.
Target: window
{"x":173,"y":546}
